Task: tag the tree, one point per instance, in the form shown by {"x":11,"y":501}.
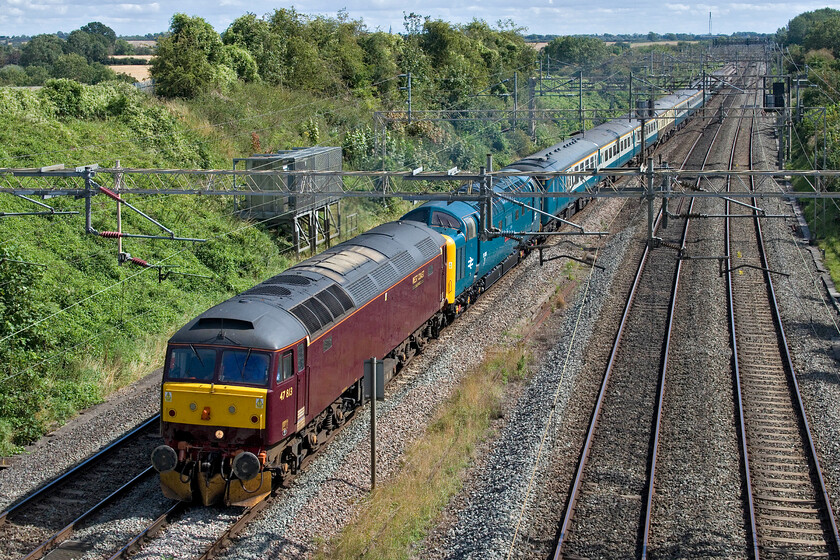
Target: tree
{"x":380,"y":56}
{"x":42,"y":49}
{"x":268,"y":49}
{"x":123,"y":47}
{"x":584,"y":51}
{"x":94,"y":48}
{"x":13,"y":75}
{"x":73,"y":67}
{"x":801,"y":25}
{"x":37,"y":74}
{"x":102,"y":31}
{"x":190,"y":60}
{"x":824,"y":35}
{"x":241,"y":61}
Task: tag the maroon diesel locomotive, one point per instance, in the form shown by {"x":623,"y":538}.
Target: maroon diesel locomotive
{"x":251,"y":386}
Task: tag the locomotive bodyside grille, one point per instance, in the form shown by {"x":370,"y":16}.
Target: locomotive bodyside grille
{"x":363,"y":289}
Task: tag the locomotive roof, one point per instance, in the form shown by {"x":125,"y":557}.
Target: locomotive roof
{"x":310,"y":296}
{"x":463,"y":209}
{"x":458,"y":208}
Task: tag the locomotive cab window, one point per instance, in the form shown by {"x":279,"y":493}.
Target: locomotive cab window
{"x":285,"y":371}
{"x":244,"y":366}
{"x":195,"y":364}
{"x":442,"y":219}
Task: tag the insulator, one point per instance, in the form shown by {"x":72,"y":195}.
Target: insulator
{"x":138,"y":262}
{"x":110,"y":193}
{"x":110,"y":234}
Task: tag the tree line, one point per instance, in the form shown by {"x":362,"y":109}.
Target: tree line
{"x":80,"y":55}
{"x":812,"y":41}
{"x":332,"y":55}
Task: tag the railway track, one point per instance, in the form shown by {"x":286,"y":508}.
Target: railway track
{"x":35,"y":524}
{"x":788,"y":512}
{"x":608,"y":511}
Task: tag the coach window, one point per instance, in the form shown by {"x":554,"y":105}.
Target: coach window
{"x":301,"y":356}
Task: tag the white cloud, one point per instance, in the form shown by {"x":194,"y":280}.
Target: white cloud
{"x":549,"y":16}
{"x":154,"y":7}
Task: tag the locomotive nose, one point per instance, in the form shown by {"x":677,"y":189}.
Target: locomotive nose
{"x":164,"y":458}
{"x":246,"y":466}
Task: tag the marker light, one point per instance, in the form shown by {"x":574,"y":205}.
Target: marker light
{"x":205,"y":414}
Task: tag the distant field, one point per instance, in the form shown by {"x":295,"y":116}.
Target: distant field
{"x":136,"y":71}
{"x":145,"y":57}
{"x":142,"y":43}
{"x":538,"y":46}
{"x":648,"y":43}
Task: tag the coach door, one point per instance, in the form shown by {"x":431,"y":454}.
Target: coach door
{"x":302,"y":384}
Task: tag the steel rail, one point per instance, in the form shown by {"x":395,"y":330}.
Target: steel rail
{"x":737,"y":372}
{"x":65,"y":533}
{"x":582,"y":462}
{"x":661,"y":392}
{"x":177,"y":509}
{"x":833,"y":542}
{"x":76,"y":470}
{"x":593,"y":423}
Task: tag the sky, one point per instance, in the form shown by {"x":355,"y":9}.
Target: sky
{"x":556,"y":17}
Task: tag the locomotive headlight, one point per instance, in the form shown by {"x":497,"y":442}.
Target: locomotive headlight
{"x":164,"y":458}
{"x":232,"y":409}
{"x":219,"y":434}
{"x":246,"y":466}
{"x":193,"y":406}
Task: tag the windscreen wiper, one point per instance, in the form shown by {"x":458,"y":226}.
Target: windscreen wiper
{"x":200,"y":361}
{"x":242,"y":371}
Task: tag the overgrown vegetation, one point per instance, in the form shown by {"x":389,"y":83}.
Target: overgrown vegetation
{"x":813,"y":42}
{"x":399,"y":513}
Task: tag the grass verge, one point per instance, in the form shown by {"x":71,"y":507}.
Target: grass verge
{"x":400,"y":512}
